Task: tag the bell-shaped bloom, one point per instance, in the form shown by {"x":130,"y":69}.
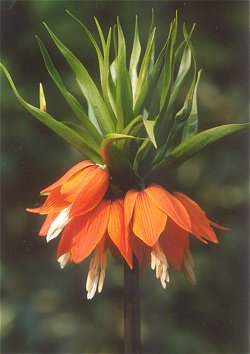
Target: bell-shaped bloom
{"x":150,"y":223}
{"x":159,"y":224}
{"x":76,"y":193}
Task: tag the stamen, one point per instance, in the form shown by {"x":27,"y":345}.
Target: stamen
{"x":58,"y":224}
{"x":96,"y":274}
{"x":160,"y":264}
{"x":64,"y":260}
{"x":188,"y":264}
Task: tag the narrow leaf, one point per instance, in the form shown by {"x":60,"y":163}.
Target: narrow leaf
{"x":61,"y":129}
{"x":70,"y":99}
{"x":134,"y":59}
{"x":87,"y":86}
{"x":124,"y":101}
{"x":191,"y":125}
{"x":196,"y":143}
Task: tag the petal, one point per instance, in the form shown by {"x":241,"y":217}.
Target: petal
{"x":53,"y":204}
{"x":174,"y":241}
{"x":47,"y":223}
{"x":90,"y":229}
{"x":116,"y":230}
{"x":200,"y":226}
{"x":218,"y":226}
{"x":70,"y":173}
{"x":91,"y":193}
{"x":149,"y":221}
{"x":71,"y":188}
{"x":129,"y":203}
{"x":170,"y":205}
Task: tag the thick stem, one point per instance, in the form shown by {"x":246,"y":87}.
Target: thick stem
{"x":132,"y":328}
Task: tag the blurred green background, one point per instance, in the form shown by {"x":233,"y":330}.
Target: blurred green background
{"x":44,"y":309}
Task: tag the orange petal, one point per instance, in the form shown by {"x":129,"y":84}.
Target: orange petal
{"x":47,"y":223}
{"x":116,"y":230}
{"x":90,"y":228}
{"x":70,"y":173}
{"x":54,"y":203}
{"x":149,"y":221}
{"x":71,"y":188}
{"x":200,"y":226}
{"x":174,"y":241}
{"x":218,"y":226}
{"x":170,"y":205}
{"x":129,"y":203}
{"x":91,"y":193}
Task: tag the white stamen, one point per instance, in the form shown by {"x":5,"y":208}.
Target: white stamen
{"x":96,"y":274}
{"x":188,"y":264}
{"x":160,"y":264}
{"x":58,"y":224}
{"x":64,"y":260}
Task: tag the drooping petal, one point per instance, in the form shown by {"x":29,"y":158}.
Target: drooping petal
{"x":53,"y":204}
{"x":90,"y":230}
{"x":170,"y":205}
{"x":47,"y":223}
{"x":91,"y":193}
{"x":200,"y":226}
{"x":217,"y":226}
{"x":149,"y":221}
{"x":71,"y":188}
{"x":81,"y":165}
{"x":116,"y":230}
{"x":174,"y":241}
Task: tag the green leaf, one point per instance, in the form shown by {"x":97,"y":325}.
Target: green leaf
{"x":85,"y":145}
{"x":144,"y":69}
{"x":70,"y":99}
{"x":124,"y":100}
{"x":149,"y":83}
{"x":87,"y":86}
{"x":191,"y":125}
{"x":93,"y":41}
{"x":195,"y":144}
{"x":134,"y":59}
{"x":149,"y":126}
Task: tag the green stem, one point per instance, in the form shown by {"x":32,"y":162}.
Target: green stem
{"x":132,"y":328}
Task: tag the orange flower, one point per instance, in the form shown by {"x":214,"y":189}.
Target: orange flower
{"x":163,"y":221}
{"x":148,"y":223}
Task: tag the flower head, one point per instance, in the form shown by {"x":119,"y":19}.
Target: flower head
{"x":138,"y":130}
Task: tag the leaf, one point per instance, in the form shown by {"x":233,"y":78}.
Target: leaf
{"x":149,"y":126}
{"x":102,"y":59}
{"x":124,"y":100}
{"x":87,"y":86}
{"x":92,"y":39}
{"x":134,"y":59}
{"x":196,"y":143}
{"x":145,"y":64}
{"x":149,"y":83}
{"x":82,"y":145}
{"x":42,"y":100}
{"x":191,"y":125}
{"x":70,"y":99}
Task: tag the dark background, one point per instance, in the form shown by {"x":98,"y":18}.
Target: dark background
{"x":44,"y":309}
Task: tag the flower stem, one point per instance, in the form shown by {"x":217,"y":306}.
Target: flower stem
{"x":132,"y":328}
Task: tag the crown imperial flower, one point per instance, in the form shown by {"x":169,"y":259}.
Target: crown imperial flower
{"x":136,"y":132}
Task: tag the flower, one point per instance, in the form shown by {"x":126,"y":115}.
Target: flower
{"x":163,"y":221}
{"x":147,"y":223}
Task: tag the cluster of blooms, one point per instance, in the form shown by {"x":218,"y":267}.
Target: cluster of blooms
{"x":148,"y":223}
